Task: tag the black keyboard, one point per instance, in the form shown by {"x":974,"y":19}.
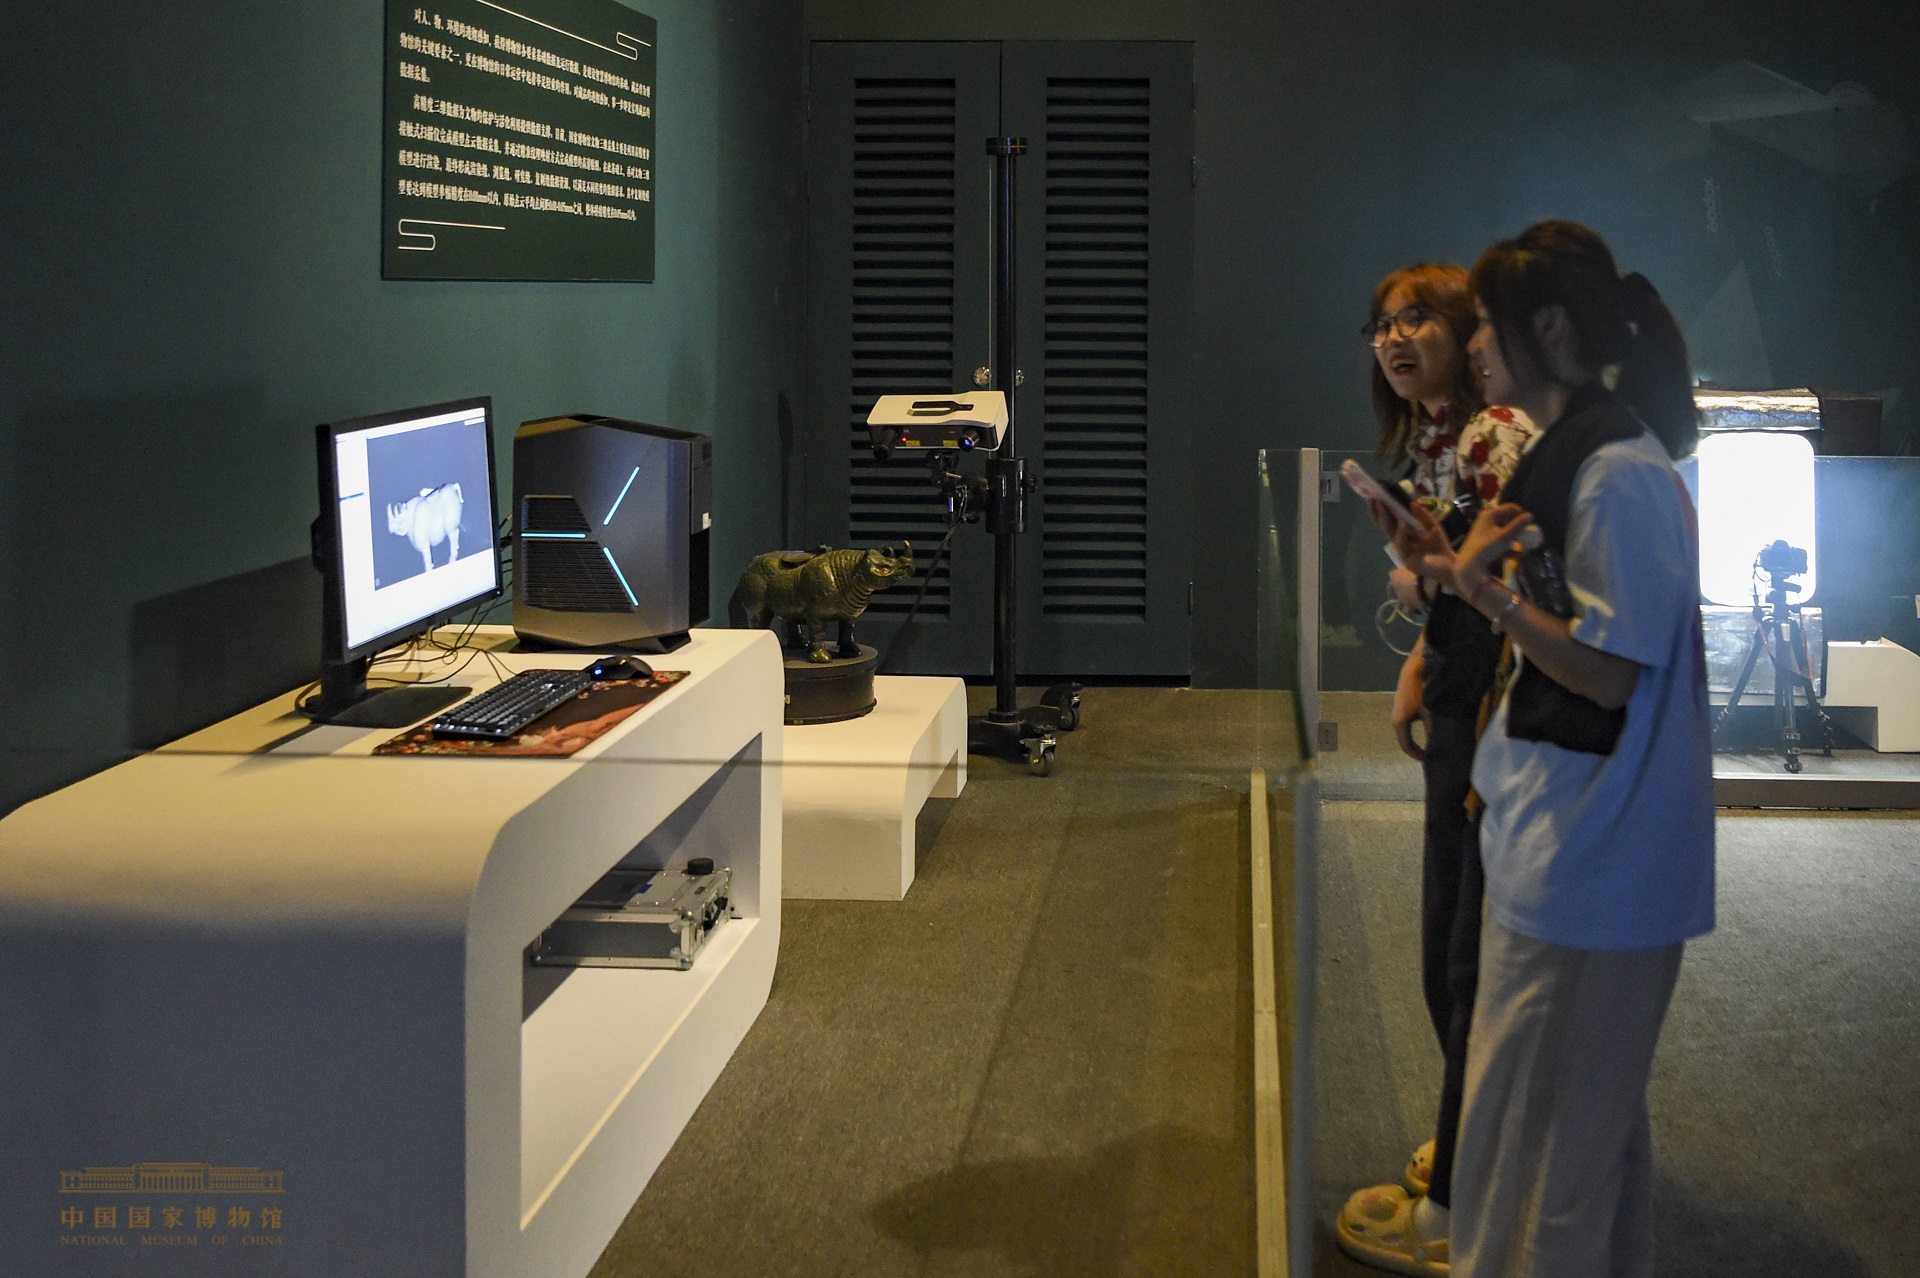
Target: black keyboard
{"x":501,"y":711}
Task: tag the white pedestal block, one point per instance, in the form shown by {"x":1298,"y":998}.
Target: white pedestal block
{"x":853,"y":789}
{"x":1873,"y":691}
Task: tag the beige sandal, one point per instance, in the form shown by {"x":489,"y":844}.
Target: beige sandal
{"x":1376,"y":1228}
{"x":1418,"y":1176}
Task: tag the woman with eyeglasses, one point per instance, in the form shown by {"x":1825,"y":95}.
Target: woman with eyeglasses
{"x":1595,"y":769}
{"x":1451,"y":454}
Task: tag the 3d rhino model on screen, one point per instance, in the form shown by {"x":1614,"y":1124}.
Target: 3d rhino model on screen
{"x":812,"y":588}
{"x":428,"y":520}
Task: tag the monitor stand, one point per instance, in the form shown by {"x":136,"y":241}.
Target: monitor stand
{"x":345,"y":699}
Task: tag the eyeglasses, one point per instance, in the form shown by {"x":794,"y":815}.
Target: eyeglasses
{"x":1403,"y":323}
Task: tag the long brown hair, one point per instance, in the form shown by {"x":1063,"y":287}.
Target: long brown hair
{"x":1443,"y":289}
{"x":1618,"y":320}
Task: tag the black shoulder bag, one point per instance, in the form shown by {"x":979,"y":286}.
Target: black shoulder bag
{"x":1539,"y":709}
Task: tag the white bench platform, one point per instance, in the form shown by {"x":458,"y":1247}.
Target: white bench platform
{"x":854,"y":789}
{"x":1873,"y":691}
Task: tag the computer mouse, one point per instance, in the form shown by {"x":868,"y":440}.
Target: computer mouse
{"x":620,"y":667}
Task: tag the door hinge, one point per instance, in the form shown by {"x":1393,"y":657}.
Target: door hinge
{"x":1329,"y":485}
{"x":1189,"y":598}
{"x":1195,"y":182}
{"x":1326,"y":736}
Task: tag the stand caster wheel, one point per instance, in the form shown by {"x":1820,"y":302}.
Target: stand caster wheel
{"x":1040,"y":759}
{"x":1064,"y":700}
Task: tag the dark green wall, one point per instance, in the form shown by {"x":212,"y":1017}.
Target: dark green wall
{"x":192,"y":280}
{"x":1339,"y":141}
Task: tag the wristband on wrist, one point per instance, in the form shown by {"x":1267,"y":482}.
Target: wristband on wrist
{"x":1501,"y":618}
{"x":1497,"y":618}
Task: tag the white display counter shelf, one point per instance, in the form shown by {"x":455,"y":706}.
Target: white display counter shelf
{"x":264,"y":948}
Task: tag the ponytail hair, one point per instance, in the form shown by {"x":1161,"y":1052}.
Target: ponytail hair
{"x":1619,"y":322}
{"x":1656,"y":378}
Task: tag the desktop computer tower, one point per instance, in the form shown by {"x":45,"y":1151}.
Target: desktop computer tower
{"x":611,"y":524}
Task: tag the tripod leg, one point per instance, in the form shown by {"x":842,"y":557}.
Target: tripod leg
{"x":1740,"y":684}
{"x":1813,"y":697}
{"x":1805,"y":683}
{"x":1826,"y":723}
{"x":1783,"y":689}
{"x":1783,"y":718}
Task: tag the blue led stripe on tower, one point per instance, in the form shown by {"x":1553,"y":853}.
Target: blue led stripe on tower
{"x":621,"y":575}
{"x":622,"y":497}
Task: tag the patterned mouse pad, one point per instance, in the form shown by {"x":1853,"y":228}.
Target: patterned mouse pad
{"x":555,"y":734}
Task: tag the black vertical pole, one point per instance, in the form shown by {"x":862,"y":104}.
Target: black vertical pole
{"x":1006,"y":473}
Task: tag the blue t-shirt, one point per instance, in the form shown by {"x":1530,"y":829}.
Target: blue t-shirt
{"x":1615,"y":852}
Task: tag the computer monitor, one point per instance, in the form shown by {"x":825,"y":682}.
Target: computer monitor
{"x":405,"y":541}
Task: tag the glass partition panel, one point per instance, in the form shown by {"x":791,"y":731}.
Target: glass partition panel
{"x":1280,"y":661}
{"x":1359,"y":640}
{"x":1865,"y":557}
{"x":1363,"y":636}
{"x":1349,"y":817}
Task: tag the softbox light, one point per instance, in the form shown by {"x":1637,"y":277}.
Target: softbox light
{"x":1756,"y":488}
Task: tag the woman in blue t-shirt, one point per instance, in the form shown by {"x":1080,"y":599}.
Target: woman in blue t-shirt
{"x":1595,"y":769}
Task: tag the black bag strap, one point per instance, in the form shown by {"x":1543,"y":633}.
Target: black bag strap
{"x":1539,"y":708}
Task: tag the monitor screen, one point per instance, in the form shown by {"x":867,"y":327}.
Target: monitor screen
{"x":413,"y":517}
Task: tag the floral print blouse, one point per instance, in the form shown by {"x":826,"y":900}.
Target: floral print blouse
{"x":1478,"y":458}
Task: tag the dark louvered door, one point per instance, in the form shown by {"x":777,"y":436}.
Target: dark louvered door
{"x":897,"y":190}
{"x":1106,"y":227}
{"x":898,"y":186}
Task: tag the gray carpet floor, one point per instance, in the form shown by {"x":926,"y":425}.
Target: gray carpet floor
{"x":1786,"y":1092}
{"x":1038,"y":1063}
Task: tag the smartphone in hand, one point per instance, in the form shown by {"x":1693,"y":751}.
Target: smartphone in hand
{"x":1386,"y":495}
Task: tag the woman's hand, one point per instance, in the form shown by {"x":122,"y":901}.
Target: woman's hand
{"x":1424,"y":550}
{"x":1498,"y":534}
{"x":1409,"y":707}
{"x":1405,"y":583}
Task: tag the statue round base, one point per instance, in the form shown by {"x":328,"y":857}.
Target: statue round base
{"x":830,"y":691}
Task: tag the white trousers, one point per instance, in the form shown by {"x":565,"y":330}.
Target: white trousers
{"x":1554,"y":1173}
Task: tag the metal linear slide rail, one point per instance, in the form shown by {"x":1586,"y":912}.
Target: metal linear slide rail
{"x":1304,"y":898}
{"x":1269,"y":1107}
{"x":1284,"y":938}
{"x":1301,"y":1091}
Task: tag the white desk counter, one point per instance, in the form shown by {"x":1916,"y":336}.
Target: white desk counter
{"x":265,"y":948}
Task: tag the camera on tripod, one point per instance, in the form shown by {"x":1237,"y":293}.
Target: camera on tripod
{"x":1782,"y":560}
{"x":1780,"y":632}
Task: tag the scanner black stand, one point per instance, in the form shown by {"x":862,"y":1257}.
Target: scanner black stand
{"x":1010,"y":730}
{"x":999,"y":499}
